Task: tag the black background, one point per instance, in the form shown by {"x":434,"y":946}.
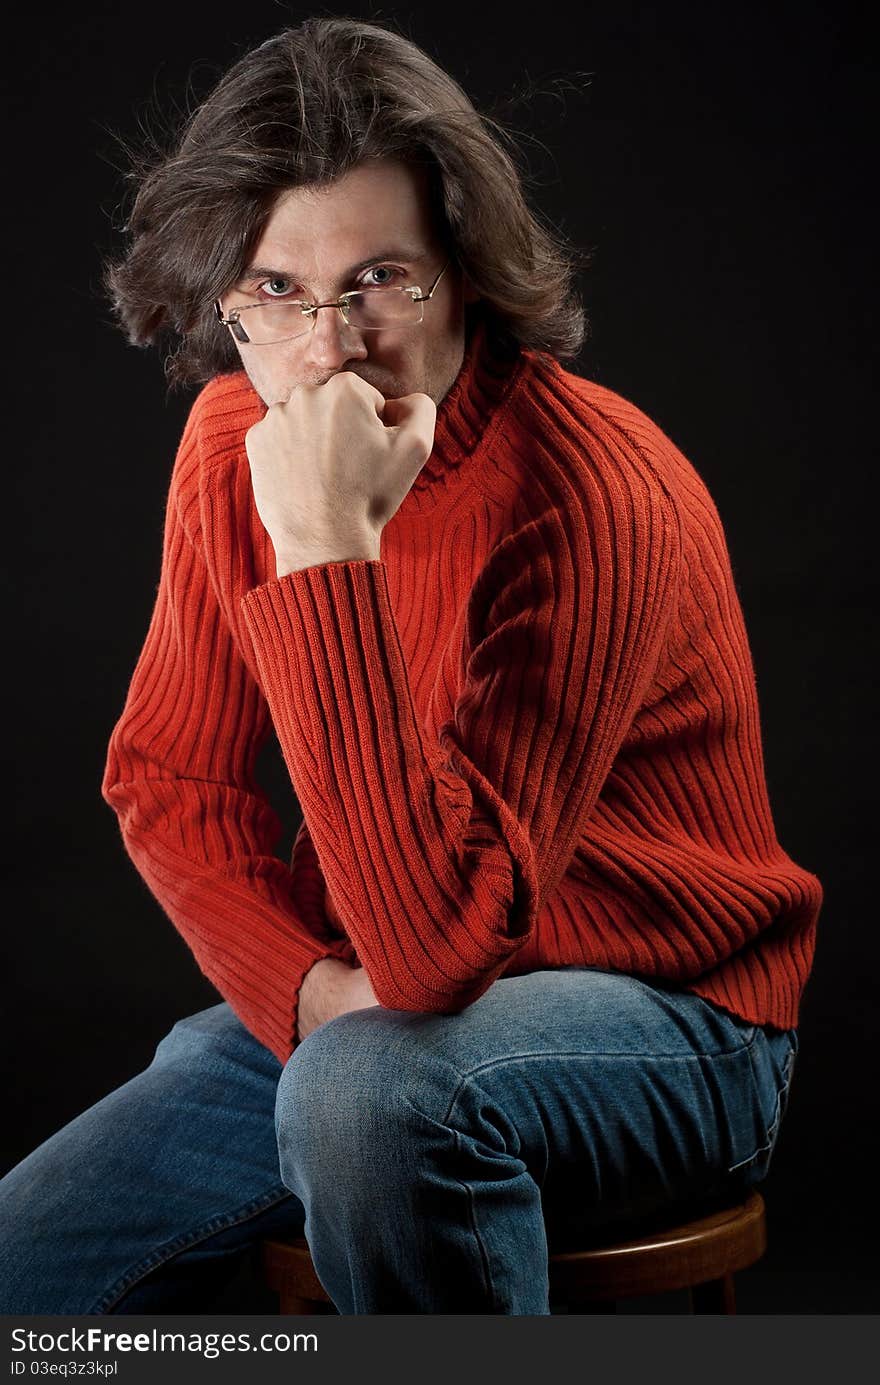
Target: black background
{"x":717,"y":160}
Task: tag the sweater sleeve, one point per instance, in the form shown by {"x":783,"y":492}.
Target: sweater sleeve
{"x":439,"y":852}
{"x":180,"y":777}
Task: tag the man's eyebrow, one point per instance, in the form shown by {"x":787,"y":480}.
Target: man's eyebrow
{"x":409,"y":254}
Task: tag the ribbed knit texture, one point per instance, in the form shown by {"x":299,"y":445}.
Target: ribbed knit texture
{"x":527,"y":736}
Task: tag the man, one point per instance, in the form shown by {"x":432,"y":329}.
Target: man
{"x":538,"y":947}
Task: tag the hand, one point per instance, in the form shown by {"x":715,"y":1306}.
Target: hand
{"x":333,"y":463}
{"x":331,"y":988}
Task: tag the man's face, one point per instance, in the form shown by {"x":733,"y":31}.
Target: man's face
{"x":376,"y":218}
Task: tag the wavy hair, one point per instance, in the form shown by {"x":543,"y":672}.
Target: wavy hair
{"x":302,"y":109}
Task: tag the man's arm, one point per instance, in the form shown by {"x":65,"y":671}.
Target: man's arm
{"x":180,"y":775}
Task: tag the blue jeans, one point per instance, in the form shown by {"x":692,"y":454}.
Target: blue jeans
{"x":430,"y":1160}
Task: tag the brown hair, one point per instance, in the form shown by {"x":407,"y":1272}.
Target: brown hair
{"x":301,"y":109}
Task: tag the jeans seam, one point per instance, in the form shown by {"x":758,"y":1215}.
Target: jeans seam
{"x":484,"y":1257}
{"x":162,"y":1254}
{"x":590,"y":1053}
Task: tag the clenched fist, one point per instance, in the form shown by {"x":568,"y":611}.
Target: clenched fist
{"x":332,"y":464}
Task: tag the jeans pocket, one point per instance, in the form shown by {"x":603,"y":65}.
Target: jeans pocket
{"x":782,"y":1097}
{"x":772,"y":1056}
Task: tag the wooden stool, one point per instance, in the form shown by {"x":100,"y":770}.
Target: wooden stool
{"x":701,"y":1256}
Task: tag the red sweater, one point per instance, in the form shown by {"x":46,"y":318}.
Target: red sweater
{"x":527,"y":736}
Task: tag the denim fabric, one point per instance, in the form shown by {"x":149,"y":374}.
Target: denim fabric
{"x":431,"y":1160}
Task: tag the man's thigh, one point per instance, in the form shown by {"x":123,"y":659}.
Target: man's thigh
{"x":619,"y":1096}
{"x":171,"y":1168}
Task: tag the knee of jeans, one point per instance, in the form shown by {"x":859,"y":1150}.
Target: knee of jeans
{"x":205,"y":1029}
{"x":357,"y":1079}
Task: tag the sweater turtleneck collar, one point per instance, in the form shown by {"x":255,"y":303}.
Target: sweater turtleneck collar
{"x":487,"y":373}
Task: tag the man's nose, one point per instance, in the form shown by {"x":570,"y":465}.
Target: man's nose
{"x":331,"y":341}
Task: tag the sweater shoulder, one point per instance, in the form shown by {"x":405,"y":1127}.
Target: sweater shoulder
{"x":220,"y":415}
{"x":596,"y":429}
{"x":222,"y":412}
{"x":586,"y":409}
{"x":596,"y":442}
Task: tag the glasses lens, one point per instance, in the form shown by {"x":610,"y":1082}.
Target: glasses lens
{"x":371,"y":309}
{"x":274,"y":322}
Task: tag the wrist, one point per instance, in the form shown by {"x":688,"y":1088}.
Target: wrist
{"x":319,"y":990}
{"x":294,"y":557}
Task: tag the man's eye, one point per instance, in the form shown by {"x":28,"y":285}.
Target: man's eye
{"x":381,"y":269}
{"x":278,"y":287}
